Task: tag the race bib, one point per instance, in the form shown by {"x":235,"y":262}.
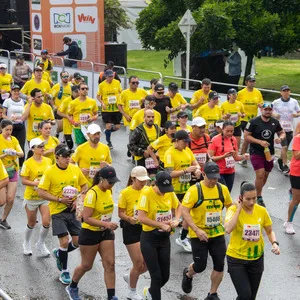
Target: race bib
{"x":69,"y":192}
{"x":35,"y":126}
{"x":134,"y":104}
{"x":149,"y":163}
{"x":106,"y":218}
{"x":212,"y":219}
{"x":287,"y":125}
{"x":164,"y":217}
{"x":200,"y":157}
{"x":112,"y":99}
{"x":5,"y":96}
{"x":24,"y":77}
{"x":234,"y":118}
{"x":173,"y":117}
{"x":185,"y":178}
{"x":83,"y":118}
{"x":17,"y":117}
{"x":211,"y":127}
{"x":135,"y":212}
{"x":251,"y":233}
{"x":230,"y":162}
{"x":93,"y":171}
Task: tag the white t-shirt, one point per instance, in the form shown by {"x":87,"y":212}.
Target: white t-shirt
{"x":285,"y":109}
{"x":14,"y":109}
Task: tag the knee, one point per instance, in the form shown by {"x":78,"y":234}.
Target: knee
{"x":109,"y":265}
{"x":86,"y":267}
{"x":10,"y":199}
{"x":140,"y":266}
{"x":199,"y":265}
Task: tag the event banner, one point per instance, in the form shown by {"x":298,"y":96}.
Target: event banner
{"x":81,"y":20}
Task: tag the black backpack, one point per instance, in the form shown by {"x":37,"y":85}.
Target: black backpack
{"x":200,"y":194}
{"x":79,"y":54}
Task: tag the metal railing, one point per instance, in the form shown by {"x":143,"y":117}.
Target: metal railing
{"x":146,"y":71}
{"x":4,"y":295}
{"x":23,"y":53}
{"x":180,"y":78}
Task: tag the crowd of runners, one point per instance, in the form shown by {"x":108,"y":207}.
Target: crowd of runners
{"x":183,"y":175}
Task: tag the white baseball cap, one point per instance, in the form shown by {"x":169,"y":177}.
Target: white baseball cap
{"x":139,"y":173}
{"x":198,"y":121}
{"x":35,"y":142}
{"x":2,"y":65}
{"x":93,"y":128}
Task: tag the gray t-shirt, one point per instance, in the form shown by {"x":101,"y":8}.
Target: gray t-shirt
{"x":14,"y":109}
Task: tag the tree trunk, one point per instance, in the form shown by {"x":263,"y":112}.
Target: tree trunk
{"x":248,"y":65}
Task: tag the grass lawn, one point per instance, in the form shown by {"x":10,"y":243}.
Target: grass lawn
{"x":271,"y":72}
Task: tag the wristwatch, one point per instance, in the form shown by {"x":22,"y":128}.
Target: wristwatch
{"x":275,"y":242}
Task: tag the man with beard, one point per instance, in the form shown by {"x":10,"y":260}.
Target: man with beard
{"x":92,"y":155}
{"x":141,"y":138}
{"x":259,"y":132}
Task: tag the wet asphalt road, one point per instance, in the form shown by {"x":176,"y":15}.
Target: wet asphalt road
{"x":37,"y":278}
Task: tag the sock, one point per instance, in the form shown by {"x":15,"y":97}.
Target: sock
{"x":108,"y":135}
{"x":132,"y":289}
{"x":71,"y":247}
{"x":63,"y":257}
{"x":73,"y":284}
{"x":43,"y":234}
{"x":293,"y":213}
{"x":184,"y":233}
{"x":110,"y":293}
{"x":28,"y":234}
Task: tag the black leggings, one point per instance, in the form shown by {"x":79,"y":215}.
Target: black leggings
{"x":228,"y":180}
{"x":155,"y":247}
{"x":245,"y":276}
{"x":19,"y":132}
{"x":69,"y":141}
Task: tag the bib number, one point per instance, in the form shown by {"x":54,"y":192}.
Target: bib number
{"x":134,"y":104}
{"x":135,"y":212}
{"x":35,"y":126}
{"x":17,"y":117}
{"x":149,"y":163}
{"x":164,"y":217}
{"x":287,"y":125}
{"x":230,"y":162}
{"x":185,"y":178}
{"x":70,"y":192}
{"x":112,"y":99}
{"x":251,"y":233}
{"x":93,"y":172}
{"x":211,"y":127}
{"x":83,"y":118}
{"x":212,"y":219}
{"x":173,"y":117}
{"x":200,"y":157}
{"x":234,"y":118}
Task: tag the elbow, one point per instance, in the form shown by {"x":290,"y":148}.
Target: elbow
{"x":227,"y":229}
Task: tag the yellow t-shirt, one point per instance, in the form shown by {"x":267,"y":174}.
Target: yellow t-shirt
{"x":110,"y":94}
{"x":246,"y":240}
{"x":208,"y":215}
{"x":44,"y":86}
{"x":46,"y":63}
{"x":50,"y":144}
{"x":179,"y":160}
{"x":34,"y":171}
{"x":93,"y":159}
{"x":82,"y":110}
{"x":161,"y":145}
{"x":138,"y":118}
{"x":46,"y":76}
{"x":102,"y":204}
{"x":66,"y":92}
{"x":131,"y":102}
{"x":67,"y":126}
{"x":55,"y":179}
{"x":157,"y":208}
{"x":36,"y":116}
{"x":3,"y":173}
{"x":195,"y":98}
{"x":10,"y":160}
{"x":128,"y":200}
{"x":233,"y":109}
{"x":188,"y":128}
{"x":211,"y":115}
{"x":176,"y":101}
{"x":250,"y":101}
{"x":5,"y":82}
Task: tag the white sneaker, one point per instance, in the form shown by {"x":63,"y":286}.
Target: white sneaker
{"x":146,"y":294}
{"x":27,"y":249}
{"x":185,"y":244}
{"x":289,"y":228}
{"x":126,"y":279}
{"x":133,"y":295}
{"x":42,"y":249}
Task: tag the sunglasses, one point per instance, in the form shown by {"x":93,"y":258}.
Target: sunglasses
{"x":40,"y":146}
{"x":160,"y":93}
{"x":38,"y":70}
{"x":267,"y":105}
{"x":2,"y":68}
{"x":85,"y":88}
{"x":134,"y":82}
{"x":65,"y":155}
{"x":65,"y":77}
{"x":183,"y":117}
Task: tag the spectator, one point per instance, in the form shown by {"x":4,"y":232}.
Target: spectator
{"x":72,"y":52}
{"x":234,"y":61}
{"x":21,"y":72}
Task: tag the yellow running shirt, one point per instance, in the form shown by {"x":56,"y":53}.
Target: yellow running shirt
{"x":55,"y":179}
{"x":208,"y":215}
{"x":233,"y":109}
{"x":60,"y":91}
{"x":161,"y":145}
{"x":5,"y":83}
{"x":10,"y":160}
{"x":246,"y":239}
{"x":102,"y":204}
{"x":179,"y":160}
{"x":138,"y":118}
{"x":44,"y":86}
{"x":157,"y":208}
{"x":50,"y":144}
{"x":34,"y":171}
{"x":110,"y":95}
{"x":67,"y":126}
{"x":250,"y":100}
{"x":211,"y":115}
{"x":176,"y":101}
{"x":196,"y":97}
{"x":3,"y":173}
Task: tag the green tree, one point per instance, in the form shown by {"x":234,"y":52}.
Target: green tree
{"x":115,"y":17}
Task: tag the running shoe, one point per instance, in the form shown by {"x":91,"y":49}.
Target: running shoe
{"x":65,"y":277}
{"x":109,"y":144}
{"x":27,"y":249}
{"x":185,"y":244}
{"x":72,"y":293}
{"x":187,"y":282}
{"x":146,"y":294}
{"x":280,"y":164}
{"x":260,"y":201}
{"x":289,"y":228}
{"x":243,"y":163}
{"x":133,"y":295}
{"x":213,"y":296}
{"x":58,"y":262}
{"x":4,"y":225}
{"x":286,"y":170}
{"x":126,"y":279}
{"x":42,"y":249}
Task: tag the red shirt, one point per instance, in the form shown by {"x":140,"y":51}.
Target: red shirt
{"x":199,"y":148}
{"x":295,"y":163}
{"x":221,"y":145}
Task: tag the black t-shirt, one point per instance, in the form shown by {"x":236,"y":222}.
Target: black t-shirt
{"x":160,"y":106}
{"x":264,"y":131}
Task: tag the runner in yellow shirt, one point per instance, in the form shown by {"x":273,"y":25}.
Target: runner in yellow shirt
{"x":182,"y":118}
{"x":97,"y":233}
{"x":109,"y":96}
{"x":153,"y":83}
{"x":4,"y":179}
{"x":202,"y":208}
{"x":245,"y":222}
{"x":45,"y":76}
{"x":47,"y":63}
{"x":82,"y":112}
{"x":92,"y":155}
{"x":6,"y":81}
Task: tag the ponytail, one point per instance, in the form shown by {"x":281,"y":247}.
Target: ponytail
{"x":246,"y":186}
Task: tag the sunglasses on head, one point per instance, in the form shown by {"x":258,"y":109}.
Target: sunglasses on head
{"x":134,"y":82}
{"x":85,"y":88}
{"x":267,"y":105}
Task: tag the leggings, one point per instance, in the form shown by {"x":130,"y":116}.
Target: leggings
{"x":228,"y":180}
{"x":155,"y":247}
{"x":245,"y":276}
{"x":19,"y":132}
